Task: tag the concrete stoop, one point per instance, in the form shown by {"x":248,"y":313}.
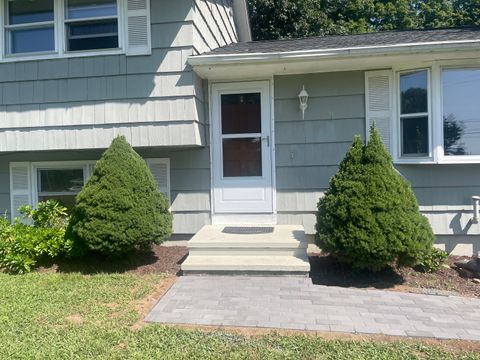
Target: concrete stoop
{"x":281,"y":252}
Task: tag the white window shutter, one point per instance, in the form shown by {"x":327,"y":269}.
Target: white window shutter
{"x":137,"y":27}
{"x":20,"y":187}
{"x":91,"y":168}
{"x":160,"y":169}
{"x":379,"y":104}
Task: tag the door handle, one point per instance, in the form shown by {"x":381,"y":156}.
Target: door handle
{"x":267,"y":139}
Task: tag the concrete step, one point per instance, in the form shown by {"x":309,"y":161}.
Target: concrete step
{"x":241,"y":251}
{"x":259,"y":265}
{"x":285,"y":237}
{"x":280,"y":252}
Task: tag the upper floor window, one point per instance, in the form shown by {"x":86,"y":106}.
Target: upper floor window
{"x":91,"y":24}
{"x":60,"y":26}
{"x":47,"y":29}
{"x":29,"y":26}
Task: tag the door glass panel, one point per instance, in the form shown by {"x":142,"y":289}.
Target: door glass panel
{"x":242,"y":157}
{"x":241,"y":114}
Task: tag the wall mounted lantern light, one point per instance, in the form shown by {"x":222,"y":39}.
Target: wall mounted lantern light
{"x":303,"y":97}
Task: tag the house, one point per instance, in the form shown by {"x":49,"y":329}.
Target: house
{"x":217,"y":117}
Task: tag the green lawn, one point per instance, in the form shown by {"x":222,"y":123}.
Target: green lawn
{"x":73,"y":316}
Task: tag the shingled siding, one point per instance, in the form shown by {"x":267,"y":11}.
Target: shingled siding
{"x":156,"y":101}
{"x":308,"y":153}
{"x":213,"y":24}
{"x":189,"y":181}
{"x":81,"y":103}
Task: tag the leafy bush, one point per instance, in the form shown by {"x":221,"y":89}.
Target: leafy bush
{"x":42,"y":234}
{"x":432,"y":260}
{"x":369,"y":217}
{"x":120,"y":208}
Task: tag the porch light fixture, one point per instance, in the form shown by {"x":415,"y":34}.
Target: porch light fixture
{"x":303,"y":97}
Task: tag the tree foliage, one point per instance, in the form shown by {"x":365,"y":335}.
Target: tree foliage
{"x":280,"y":19}
{"x":120,"y":208}
{"x":370,"y":217}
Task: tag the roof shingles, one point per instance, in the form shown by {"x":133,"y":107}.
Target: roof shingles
{"x":350,"y":41}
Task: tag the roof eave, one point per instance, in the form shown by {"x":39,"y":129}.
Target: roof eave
{"x":224,"y":59}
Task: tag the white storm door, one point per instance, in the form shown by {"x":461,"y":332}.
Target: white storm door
{"x":242,"y":154}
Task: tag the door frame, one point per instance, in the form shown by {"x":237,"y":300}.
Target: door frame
{"x":247,"y":218}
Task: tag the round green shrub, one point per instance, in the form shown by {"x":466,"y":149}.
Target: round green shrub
{"x":369,"y":217}
{"x":120,"y":208}
{"x":40,"y":233}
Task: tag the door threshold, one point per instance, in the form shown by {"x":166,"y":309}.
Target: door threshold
{"x":244,"y":219}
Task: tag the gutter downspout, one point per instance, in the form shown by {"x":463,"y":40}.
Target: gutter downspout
{"x":242,"y":21}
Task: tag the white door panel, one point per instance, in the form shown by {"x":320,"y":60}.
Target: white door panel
{"x":242,"y":154}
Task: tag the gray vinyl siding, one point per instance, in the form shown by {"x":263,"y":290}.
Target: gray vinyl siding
{"x":82,"y":103}
{"x":308,"y":153}
{"x":189,"y":181}
{"x":213,"y":24}
{"x":73,"y":107}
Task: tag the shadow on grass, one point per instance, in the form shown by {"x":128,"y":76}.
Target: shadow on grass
{"x":326,"y":270}
{"x":158,"y":259}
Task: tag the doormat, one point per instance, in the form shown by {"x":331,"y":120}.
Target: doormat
{"x":246,"y":230}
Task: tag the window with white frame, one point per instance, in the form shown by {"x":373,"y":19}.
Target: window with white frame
{"x":438,"y":113}
{"x":461,"y":111}
{"x":414,"y":113}
{"x":52,"y":28}
{"x":29,"y":26}
{"x":33,"y":182}
{"x":60,"y":183}
{"x":91,"y":24}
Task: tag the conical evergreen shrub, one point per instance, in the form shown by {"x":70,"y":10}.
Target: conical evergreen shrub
{"x":120,"y":208}
{"x":369,"y":217}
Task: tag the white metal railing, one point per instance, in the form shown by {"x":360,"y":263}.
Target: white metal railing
{"x":476,"y":209}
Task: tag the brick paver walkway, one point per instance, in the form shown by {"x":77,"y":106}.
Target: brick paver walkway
{"x":295,"y":303}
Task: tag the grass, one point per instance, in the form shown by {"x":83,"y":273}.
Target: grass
{"x":73,"y":316}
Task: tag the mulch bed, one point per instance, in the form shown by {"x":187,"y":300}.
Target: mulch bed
{"x":325,"y":270}
{"x":160,"y":259}
{"x":450,"y":280}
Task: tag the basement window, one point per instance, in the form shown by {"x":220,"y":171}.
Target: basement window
{"x":62,"y":185}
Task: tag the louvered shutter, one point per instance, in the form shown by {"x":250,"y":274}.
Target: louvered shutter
{"x":138,"y":38}
{"x":160,"y":169}
{"x":91,"y":167}
{"x":379,"y":102}
{"x":20,"y":187}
